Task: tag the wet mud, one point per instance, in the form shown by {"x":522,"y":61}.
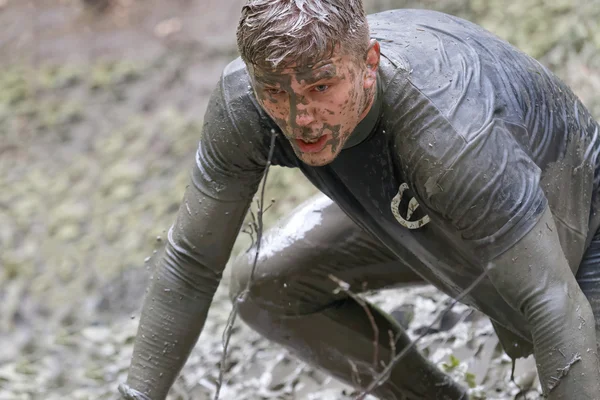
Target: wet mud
{"x":99,"y":121}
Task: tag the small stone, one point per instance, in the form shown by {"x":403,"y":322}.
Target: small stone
{"x":68,"y":232}
{"x":96,"y":334}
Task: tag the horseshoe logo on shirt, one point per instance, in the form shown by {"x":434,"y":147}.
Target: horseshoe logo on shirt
{"x":412,"y":207}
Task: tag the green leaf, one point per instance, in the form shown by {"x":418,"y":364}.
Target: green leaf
{"x":470,"y":379}
{"x":454,"y":362}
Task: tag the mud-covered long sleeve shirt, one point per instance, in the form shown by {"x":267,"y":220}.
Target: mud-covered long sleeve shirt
{"x":483,"y":138}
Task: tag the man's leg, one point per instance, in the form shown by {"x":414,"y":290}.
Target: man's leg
{"x":293,"y":302}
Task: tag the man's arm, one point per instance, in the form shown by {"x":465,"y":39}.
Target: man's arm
{"x":228,"y":167}
{"x":535,"y":278}
{"x":483,"y":189}
{"x":181,"y":291}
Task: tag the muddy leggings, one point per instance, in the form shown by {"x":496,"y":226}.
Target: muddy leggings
{"x":293,"y":301}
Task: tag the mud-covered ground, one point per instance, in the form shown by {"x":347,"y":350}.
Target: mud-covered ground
{"x":99,"y":120}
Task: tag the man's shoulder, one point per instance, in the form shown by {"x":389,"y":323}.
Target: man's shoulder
{"x":236,"y":68}
{"x":460,"y":71}
{"x":406,"y":20}
{"x":236,"y":97}
{"x":235,"y":81}
{"x":413,"y":14}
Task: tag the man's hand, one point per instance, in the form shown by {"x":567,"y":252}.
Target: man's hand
{"x":534,"y":277}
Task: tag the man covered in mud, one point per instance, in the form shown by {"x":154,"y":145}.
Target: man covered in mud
{"x":441,"y":152}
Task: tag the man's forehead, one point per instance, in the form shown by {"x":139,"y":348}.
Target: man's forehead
{"x":298,"y":72}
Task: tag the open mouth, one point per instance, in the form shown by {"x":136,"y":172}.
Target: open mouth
{"x":312,"y":145}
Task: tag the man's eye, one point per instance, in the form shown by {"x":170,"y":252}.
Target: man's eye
{"x":274,"y":91}
{"x":321,"y":88}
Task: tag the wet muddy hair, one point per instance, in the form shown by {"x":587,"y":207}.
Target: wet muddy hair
{"x":275,"y":34}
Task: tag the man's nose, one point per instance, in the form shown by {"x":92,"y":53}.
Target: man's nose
{"x":303,"y":118}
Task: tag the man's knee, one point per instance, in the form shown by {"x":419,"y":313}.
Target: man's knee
{"x":279,"y":286}
{"x":287,"y":277}
{"x":256,"y":297}
{"x":259,"y":286}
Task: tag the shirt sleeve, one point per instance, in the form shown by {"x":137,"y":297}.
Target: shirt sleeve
{"x":229,"y":164}
{"x":228,"y":168}
{"x":484,"y":192}
{"x":233,"y":149}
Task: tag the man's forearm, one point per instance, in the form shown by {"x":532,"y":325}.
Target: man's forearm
{"x":564,"y":337}
{"x":534,"y":277}
{"x":172,"y":318}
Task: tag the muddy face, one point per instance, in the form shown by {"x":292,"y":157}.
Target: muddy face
{"x":317,"y":107}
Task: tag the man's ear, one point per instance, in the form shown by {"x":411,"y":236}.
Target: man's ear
{"x":373,"y":55}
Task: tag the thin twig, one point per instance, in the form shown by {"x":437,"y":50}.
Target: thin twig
{"x":259,"y":219}
{"x":355,"y":374}
{"x":393,"y":340}
{"x":345,"y":287}
{"x":270,"y":205}
{"x":388,"y":369}
{"x":250,"y":232}
{"x":257,"y":224}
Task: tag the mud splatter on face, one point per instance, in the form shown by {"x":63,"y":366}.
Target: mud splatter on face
{"x":316,"y":107}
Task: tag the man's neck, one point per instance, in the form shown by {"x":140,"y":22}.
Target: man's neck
{"x":369,"y":120}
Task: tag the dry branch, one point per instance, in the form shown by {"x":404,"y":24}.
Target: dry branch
{"x":388,"y":369}
{"x":256,"y":227}
{"x":345,"y":287}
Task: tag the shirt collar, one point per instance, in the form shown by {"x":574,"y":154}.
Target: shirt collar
{"x":365,"y":127}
